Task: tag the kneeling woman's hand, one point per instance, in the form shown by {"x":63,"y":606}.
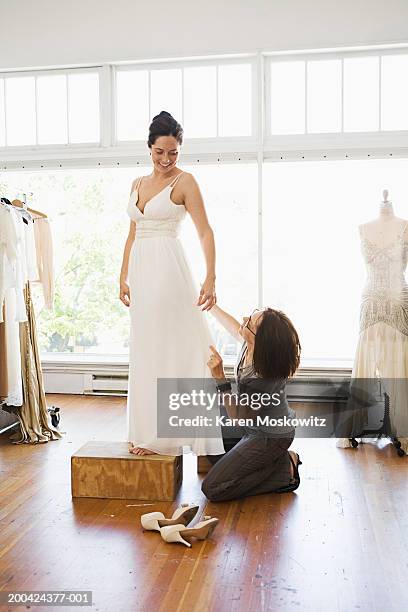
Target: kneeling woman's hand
{"x":215,"y":364}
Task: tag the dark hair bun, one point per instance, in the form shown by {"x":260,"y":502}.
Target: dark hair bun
{"x":164,"y":124}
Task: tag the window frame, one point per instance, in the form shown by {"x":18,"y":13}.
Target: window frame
{"x":227,"y":143}
{"x":331,"y":141}
{"x":261,"y":145}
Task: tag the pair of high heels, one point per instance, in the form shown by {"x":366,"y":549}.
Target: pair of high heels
{"x":175,"y":529}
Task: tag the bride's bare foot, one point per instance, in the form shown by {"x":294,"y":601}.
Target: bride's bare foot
{"x":136,"y":450}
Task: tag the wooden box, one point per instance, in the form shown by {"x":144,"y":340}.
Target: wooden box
{"x":203,"y":464}
{"x":108,"y":470}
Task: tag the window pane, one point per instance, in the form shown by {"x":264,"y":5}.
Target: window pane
{"x":166,"y":93}
{"x":235,"y":100}
{"x":287,"y":97}
{"x":394,"y":92}
{"x":132,"y":119}
{"x":52,"y":109}
{"x":2,"y":117}
{"x":200,"y":102}
{"x":83,"y":107}
{"x":20,"y":111}
{"x":361,"y":94}
{"x":324,"y":96}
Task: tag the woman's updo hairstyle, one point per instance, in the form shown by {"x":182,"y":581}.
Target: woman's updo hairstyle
{"x":164,"y":124}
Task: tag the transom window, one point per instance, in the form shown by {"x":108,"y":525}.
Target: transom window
{"x":49,"y":108}
{"x":211,"y":100}
{"x":368,"y":93}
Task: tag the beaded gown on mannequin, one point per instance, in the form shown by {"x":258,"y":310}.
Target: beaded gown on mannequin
{"x":382,"y":349}
{"x":169,"y":335}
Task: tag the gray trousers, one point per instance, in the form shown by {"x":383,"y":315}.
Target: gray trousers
{"x":256,"y":464}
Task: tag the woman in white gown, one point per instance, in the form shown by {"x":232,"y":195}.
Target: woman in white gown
{"x":169,"y":335}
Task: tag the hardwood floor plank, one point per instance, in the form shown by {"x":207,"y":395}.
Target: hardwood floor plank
{"x":339,"y":542}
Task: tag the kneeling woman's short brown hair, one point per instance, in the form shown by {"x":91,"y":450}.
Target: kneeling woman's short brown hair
{"x":277,"y":347}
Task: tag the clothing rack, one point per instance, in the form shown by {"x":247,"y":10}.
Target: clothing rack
{"x":8,"y":419}
{"x":26,"y":240}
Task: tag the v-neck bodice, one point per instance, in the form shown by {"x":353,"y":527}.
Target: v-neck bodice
{"x":160,"y":216}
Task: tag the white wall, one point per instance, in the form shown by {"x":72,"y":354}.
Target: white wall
{"x":39,"y":33}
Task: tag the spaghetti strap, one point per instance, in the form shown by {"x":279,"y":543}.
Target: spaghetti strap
{"x":176,"y":179}
{"x":136,"y":185}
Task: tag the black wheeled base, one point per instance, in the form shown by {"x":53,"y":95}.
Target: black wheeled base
{"x":383,"y":431}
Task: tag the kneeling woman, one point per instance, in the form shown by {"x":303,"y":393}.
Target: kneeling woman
{"x":260,"y":462}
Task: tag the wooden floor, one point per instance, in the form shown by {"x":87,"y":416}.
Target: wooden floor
{"x":340,"y":543}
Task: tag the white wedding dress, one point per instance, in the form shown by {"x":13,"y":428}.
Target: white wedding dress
{"x":382,"y":349}
{"x":169,"y":335}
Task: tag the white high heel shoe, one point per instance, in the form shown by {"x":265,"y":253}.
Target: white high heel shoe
{"x":183,"y":515}
{"x":177,"y":533}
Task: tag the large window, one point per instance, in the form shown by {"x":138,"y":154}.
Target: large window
{"x":311,"y":258}
{"x":312,"y":261}
{"x":87,"y":211}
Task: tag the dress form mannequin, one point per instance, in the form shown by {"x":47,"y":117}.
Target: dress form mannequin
{"x":382,"y":230}
{"x":382,"y":349}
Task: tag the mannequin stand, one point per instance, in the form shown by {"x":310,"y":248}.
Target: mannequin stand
{"x":384,"y":430}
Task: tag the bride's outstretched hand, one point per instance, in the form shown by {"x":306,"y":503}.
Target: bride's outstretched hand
{"x":207,"y":297}
{"x":124,"y":294}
